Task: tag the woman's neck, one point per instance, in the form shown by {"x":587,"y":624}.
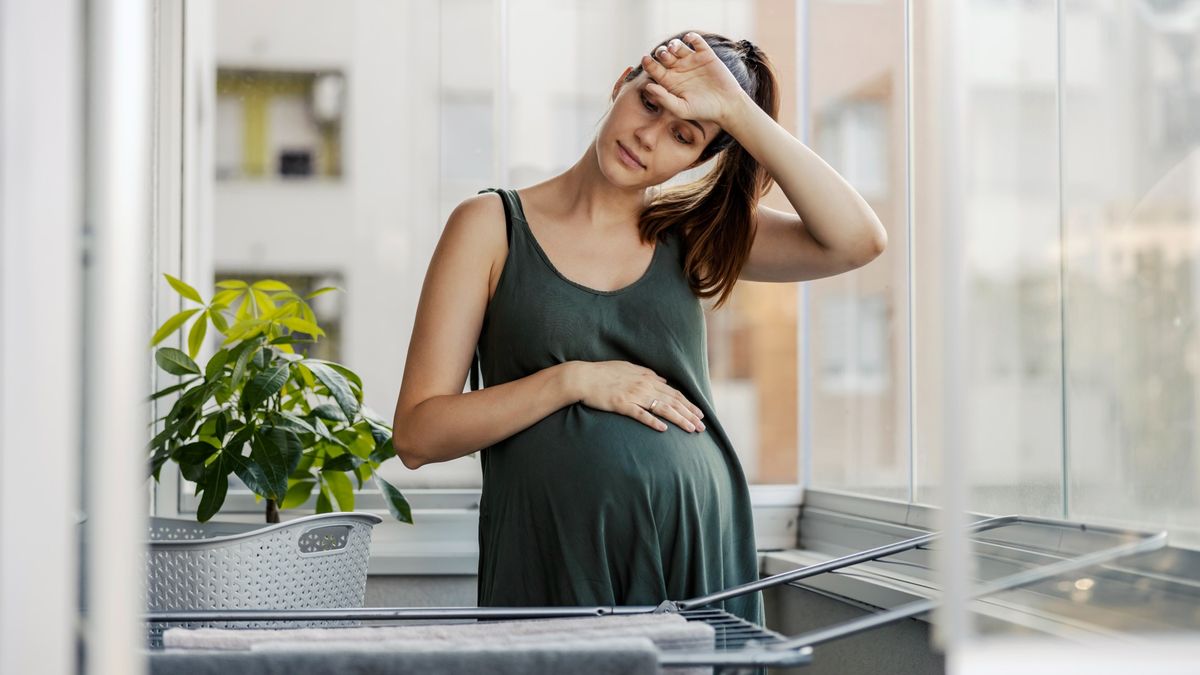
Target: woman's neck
{"x":584,"y":196}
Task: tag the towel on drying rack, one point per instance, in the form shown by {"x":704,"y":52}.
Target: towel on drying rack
{"x":667,"y":631}
{"x":608,"y":656}
{"x":576,"y":635}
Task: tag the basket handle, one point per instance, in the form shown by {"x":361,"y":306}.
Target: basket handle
{"x":323,"y":539}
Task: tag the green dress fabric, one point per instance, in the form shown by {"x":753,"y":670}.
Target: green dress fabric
{"x":588,"y":507}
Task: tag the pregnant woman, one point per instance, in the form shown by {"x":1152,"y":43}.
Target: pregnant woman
{"x":607,"y":477}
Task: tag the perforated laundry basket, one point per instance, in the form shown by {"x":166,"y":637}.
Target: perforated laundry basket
{"x":314,"y":562}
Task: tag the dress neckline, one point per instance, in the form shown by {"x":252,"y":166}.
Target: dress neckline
{"x":546,"y":258}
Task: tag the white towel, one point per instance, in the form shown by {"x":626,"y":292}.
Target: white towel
{"x":667,"y":631}
{"x":610,"y":656}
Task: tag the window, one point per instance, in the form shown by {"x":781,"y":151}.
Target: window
{"x":424,"y":105}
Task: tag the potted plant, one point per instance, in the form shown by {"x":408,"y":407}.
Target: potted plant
{"x":301,"y":419}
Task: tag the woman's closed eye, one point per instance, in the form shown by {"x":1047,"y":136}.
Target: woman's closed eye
{"x":653,"y":108}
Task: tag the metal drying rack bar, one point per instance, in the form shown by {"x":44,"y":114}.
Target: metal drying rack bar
{"x":739,"y":643}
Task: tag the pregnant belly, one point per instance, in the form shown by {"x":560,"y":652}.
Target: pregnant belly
{"x":582,"y":453}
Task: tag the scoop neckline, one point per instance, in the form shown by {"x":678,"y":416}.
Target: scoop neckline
{"x":658,"y":244}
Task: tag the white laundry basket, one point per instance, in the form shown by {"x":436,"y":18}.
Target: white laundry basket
{"x":313,"y":562}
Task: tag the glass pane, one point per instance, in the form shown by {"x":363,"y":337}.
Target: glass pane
{"x":1131,"y":180}
{"x":1012,"y":436}
{"x":858,"y":322}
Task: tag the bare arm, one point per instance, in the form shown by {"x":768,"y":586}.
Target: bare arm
{"x":434,"y":420}
{"x":450,"y":426}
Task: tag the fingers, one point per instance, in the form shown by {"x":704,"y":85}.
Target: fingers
{"x":640,"y":414}
{"x":670,"y":53}
{"x":664,"y":55}
{"x":674,"y":407}
{"x":679,"y":415}
{"x":653,"y":68}
{"x":679,"y":399}
{"x":680,"y":49}
{"x":695,"y":42}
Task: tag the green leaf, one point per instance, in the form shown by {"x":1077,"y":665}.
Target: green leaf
{"x":218,"y":320}
{"x":271,"y":285}
{"x":193,"y":453}
{"x":363,"y":443}
{"x":306,"y":313}
{"x":265,"y":385}
{"x":240,"y":438}
{"x":384,"y":450}
{"x":215,"y":485}
{"x":244,"y":329}
{"x":264,"y":301}
{"x":175,"y":362}
{"x":252,"y":474}
{"x":321,"y":291}
{"x":232,"y":283}
{"x":156,"y":462}
{"x":338,"y":387}
{"x":340,"y":486}
{"x":343,"y":462}
{"x":171,"y":325}
{"x":323,"y":503}
{"x":226,"y":298}
{"x":244,"y":310}
{"x":239,"y":368}
{"x":396,"y":502}
{"x":298,"y":324}
{"x":362,"y":472}
{"x":183,"y":289}
{"x":289,"y":340}
{"x":298,"y":494}
{"x":329,"y":411}
{"x":196,"y":336}
{"x":272,"y":470}
{"x":345,"y":372}
{"x":289,"y":444}
{"x":216,"y":365}
{"x":171,"y":389}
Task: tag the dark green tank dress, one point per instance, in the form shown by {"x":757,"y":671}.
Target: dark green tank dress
{"x":589,"y":507}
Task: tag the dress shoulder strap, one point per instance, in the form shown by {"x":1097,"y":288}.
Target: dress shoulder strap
{"x":476,"y":374}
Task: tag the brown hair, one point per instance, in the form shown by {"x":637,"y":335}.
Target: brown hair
{"x":714,"y":214}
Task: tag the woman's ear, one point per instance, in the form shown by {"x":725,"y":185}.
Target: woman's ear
{"x":620,"y":81}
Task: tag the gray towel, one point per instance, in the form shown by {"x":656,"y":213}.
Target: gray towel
{"x":619,"y":656}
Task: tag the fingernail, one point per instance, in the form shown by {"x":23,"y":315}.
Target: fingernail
{"x":702,"y":427}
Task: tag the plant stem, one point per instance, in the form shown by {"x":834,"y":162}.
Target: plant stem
{"x":272,"y":511}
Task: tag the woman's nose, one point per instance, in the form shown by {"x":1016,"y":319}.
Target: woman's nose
{"x":647,"y":136}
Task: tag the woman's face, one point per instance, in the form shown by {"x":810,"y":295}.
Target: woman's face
{"x":661,"y":143}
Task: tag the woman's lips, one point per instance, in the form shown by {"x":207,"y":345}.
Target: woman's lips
{"x":628,"y":157}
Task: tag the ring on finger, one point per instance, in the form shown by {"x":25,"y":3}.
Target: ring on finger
{"x":653,"y":403}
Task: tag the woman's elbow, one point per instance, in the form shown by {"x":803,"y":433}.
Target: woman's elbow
{"x":877,"y":244}
{"x":405,"y":450}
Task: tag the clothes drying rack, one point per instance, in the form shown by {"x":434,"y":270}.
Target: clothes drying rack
{"x":740,"y":644}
